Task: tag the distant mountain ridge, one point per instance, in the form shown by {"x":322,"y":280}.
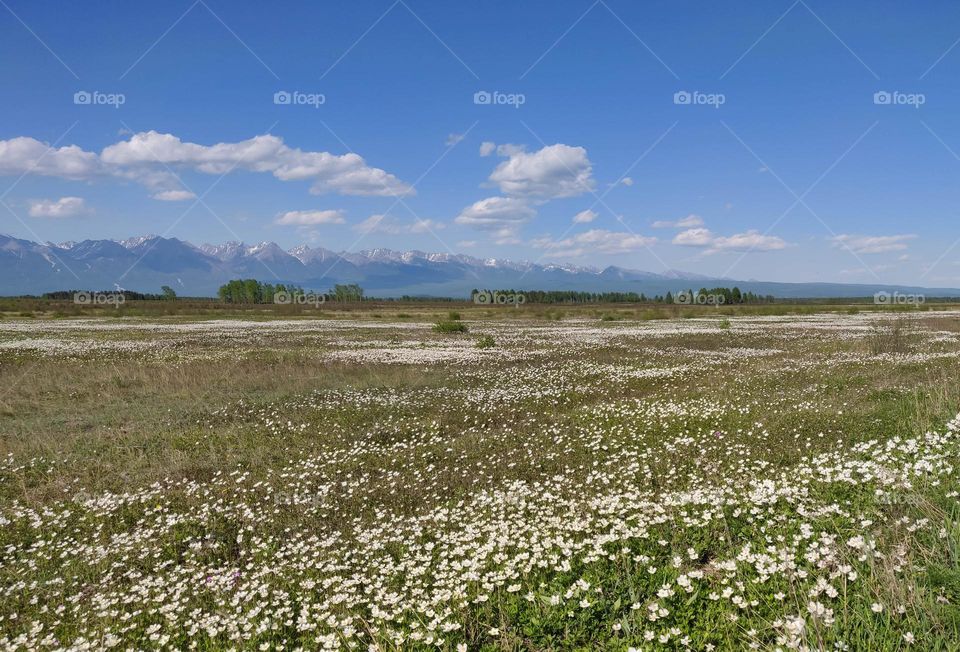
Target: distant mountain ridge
{"x":147,"y":262}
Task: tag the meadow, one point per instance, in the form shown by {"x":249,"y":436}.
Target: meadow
{"x":542,"y":479}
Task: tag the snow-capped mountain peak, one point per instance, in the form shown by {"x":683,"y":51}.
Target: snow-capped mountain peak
{"x":132,"y":243}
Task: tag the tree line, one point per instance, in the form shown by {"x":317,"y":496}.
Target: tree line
{"x":166,"y":294}
{"x":729,"y":296}
{"x":250,"y":290}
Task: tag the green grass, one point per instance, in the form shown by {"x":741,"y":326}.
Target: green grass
{"x":447,"y":326}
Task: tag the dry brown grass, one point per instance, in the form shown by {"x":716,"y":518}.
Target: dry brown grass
{"x":46,"y":403}
{"x":890,"y":336}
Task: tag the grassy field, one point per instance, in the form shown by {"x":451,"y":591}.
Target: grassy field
{"x":595,"y":477}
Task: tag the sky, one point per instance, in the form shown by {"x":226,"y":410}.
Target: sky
{"x":785,"y":140}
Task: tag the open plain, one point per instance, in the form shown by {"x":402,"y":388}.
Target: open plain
{"x":717,"y":482}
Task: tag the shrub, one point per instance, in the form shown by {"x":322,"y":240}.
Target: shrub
{"x":889,"y":337}
{"x":724,"y":324}
{"x":450,"y":327}
{"x":486,"y":342}
{"x":454,"y":315}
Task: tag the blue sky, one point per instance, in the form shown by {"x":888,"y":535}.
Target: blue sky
{"x":784,"y":165}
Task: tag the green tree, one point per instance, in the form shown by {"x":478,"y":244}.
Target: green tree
{"x":347,"y":292}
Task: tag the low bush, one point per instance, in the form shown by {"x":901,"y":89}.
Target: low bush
{"x":449,"y":326}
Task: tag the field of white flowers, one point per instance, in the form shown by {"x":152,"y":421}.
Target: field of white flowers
{"x":770,"y":483}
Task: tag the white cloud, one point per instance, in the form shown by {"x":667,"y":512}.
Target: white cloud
{"x":751,"y":240}
{"x":860,"y":271}
{"x":59,"y":208}
{"x":145,"y":157}
{"x":693,"y":238}
{"x":467,"y":244}
{"x":509,"y":149}
{"x":554,"y":171}
{"x":25,"y":155}
{"x":346,"y":174}
{"x":487,"y":148}
{"x":627,"y":181}
{"x":453,"y":139}
{"x":683,"y":223}
{"x":585,"y":217}
{"x":872,"y":244}
{"x":393,"y":226}
{"x":594,"y":241}
{"x":502,"y":215}
{"x":309,"y":218}
{"x":173,"y":195}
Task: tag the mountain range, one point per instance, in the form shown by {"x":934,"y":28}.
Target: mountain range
{"x":146,"y":263}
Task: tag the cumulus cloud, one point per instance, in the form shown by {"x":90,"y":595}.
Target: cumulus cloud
{"x":751,"y":240}
{"x":502,"y":215}
{"x":25,"y":155}
{"x":872,"y":244}
{"x":693,"y":238}
{"x":310,"y":218}
{"x":585,"y":217}
{"x":146,"y":158}
{"x":594,"y":241}
{"x":627,"y":181}
{"x":453,"y":139}
{"x":173,"y":195}
{"x":683,"y":223}
{"x":507,"y":149}
{"x":346,"y":174}
{"x":393,"y":226}
{"x":549,"y":173}
{"x":487,"y":148}
{"x":59,"y":208}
